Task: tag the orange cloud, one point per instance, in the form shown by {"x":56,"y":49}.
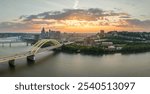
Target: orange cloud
{"x":77,"y":20}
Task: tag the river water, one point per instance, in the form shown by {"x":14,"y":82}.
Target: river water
{"x":51,"y":64}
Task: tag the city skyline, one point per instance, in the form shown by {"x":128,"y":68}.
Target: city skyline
{"x":74,"y":15}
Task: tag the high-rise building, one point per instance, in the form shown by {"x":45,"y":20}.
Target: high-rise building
{"x":50,"y":34}
{"x":102,"y":33}
{"x":43,"y":33}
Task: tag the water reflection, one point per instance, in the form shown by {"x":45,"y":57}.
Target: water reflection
{"x":50,"y":64}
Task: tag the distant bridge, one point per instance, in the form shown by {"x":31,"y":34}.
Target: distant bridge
{"x":30,"y":55}
{"x":9,"y":42}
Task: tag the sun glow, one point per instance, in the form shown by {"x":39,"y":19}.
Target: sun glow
{"x":81,"y":24}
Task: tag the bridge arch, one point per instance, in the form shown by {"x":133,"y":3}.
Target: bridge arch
{"x":36,"y":47}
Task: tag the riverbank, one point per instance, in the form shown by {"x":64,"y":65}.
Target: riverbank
{"x":128,"y":48}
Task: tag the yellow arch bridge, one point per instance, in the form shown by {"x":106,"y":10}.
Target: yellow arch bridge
{"x":36,"y":48}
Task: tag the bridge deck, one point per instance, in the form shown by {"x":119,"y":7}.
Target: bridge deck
{"x":29,"y":53}
{"x":25,"y":54}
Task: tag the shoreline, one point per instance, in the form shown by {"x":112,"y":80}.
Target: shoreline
{"x":75,"y":49}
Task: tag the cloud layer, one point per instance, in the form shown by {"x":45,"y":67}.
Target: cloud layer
{"x":91,"y":14}
{"x":76,"y":18}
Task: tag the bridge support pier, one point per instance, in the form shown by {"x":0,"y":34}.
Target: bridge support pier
{"x":11,"y":63}
{"x":2,"y":44}
{"x":27,"y":43}
{"x":10,"y":44}
{"x":31,"y":59}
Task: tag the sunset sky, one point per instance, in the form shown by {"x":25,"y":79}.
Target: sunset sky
{"x":74,"y":15}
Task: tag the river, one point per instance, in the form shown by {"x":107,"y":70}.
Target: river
{"x":51,"y":64}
